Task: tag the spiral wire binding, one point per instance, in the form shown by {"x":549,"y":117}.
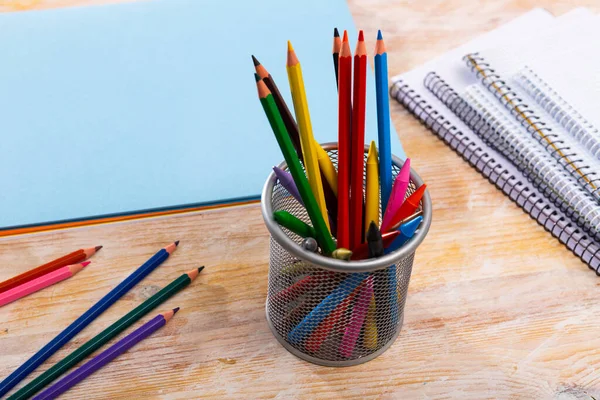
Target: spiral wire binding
{"x":529,"y":199}
{"x":555,"y":146}
{"x":562,"y":112}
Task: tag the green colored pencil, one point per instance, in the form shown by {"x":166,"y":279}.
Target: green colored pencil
{"x":295,"y":225}
{"x":105,"y":336}
{"x":323,"y":236}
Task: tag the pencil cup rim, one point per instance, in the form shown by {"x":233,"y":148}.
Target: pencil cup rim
{"x":333,"y":264}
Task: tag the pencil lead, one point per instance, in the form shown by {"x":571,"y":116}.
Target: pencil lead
{"x":85,"y":263}
{"x":257,"y":77}
{"x":345,"y":36}
{"x":200,"y":269}
{"x":177,"y":243}
{"x":98,"y":248}
{"x":361,"y":36}
{"x":255,"y":61}
{"x":379,"y":37}
{"x":175,"y":310}
{"x":290,"y":48}
{"x":336,"y":33}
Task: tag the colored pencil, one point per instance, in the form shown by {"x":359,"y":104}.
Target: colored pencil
{"x":358,"y":142}
{"x":370,"y":338}
{"x":71,"y":258}
{"x":374,"y":241}
{"x":311,"y":164}
{"x":407,"y":208}
{"x":407,"y":231}
{"x":85,"y":319}
{"x":292,"y":128}
{"x":344,"y":143}
{"x":337,"y":45}
{"x":342,"y":254}
{"x":106,"y":356}
{"x":323,"y":236}
{"x":362,"y":251}
{"x":293,"y":224}
{"x":398,"y":193}
{"x":405,"y":220}
{"x":297,"y":289}
{"x":383,"y":121}
{"x":359,"y":312}
{"x":372,"y":192}
{"x":327,"y":168}
{"x":324,"y":308}
{"x":287,"y":181}
{"x":105,"y":336}
{"x":42,"y":282}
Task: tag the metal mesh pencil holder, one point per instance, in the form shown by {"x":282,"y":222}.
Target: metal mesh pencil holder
{"x":332,"y":312}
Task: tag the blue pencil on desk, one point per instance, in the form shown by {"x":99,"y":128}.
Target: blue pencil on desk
{"x":85,"y":319}
{"x":314,"y":318}
{"x":383,"y":121}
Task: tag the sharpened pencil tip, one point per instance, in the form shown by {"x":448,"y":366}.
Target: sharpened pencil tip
{"x":379,"y":37}
{"x":98,"y":248}
{"x":336,"y":33}
{"x":175,"y":310}
{"x":361,"y":36}
{"x":257,"y":77}
{"x":255,"y":61}
{"x":345,"y":36}
{"x":85,"y":263}
{"x":177,"y":243}
{"x":290,"y":48}
{"x":200,"y":269}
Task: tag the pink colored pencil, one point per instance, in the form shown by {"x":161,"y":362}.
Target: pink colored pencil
{"x":40,"y":283}
{"x":359,"y":312}
{"x":398,"y":192}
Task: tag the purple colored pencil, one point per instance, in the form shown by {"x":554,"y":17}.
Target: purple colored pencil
{"x":287,"y":181}
{"x":106,"y":356}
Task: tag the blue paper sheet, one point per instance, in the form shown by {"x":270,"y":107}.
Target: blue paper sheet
{"x":122,"y":108}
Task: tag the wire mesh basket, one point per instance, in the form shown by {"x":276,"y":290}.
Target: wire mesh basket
{"x":333,"y":312}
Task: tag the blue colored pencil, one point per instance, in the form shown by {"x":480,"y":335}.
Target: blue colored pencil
{"x":85,"y":319}
{"x":106,"y":356}
{"x":328,"y":304}
{"x":383,"y":122}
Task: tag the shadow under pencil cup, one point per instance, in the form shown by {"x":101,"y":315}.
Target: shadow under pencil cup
{"x":333,"y":312}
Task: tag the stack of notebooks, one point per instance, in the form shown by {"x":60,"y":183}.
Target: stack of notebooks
{"x":520,"y":105}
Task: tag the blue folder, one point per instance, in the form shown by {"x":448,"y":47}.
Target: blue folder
{"x":152,"y":105}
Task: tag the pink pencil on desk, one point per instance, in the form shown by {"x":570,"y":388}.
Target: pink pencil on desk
{"x":398,"y":192}
{"x":359,"y":312}
{"x":42,"y":282}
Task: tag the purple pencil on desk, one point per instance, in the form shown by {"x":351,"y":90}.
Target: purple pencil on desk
{"x":287,"y":181}
{"x":106,"y":356}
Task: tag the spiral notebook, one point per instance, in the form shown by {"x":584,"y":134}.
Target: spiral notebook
{"x":509,"y":131}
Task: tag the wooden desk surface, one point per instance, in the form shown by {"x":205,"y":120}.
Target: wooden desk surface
{"x":497,"y":308}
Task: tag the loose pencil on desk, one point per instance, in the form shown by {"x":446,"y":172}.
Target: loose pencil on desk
{"x":71,"y":258}
{"x":344,"y":143}
{"x":106,"y":335}
{"x":307,"y":140}
{"x":383,"y":121}
{"x":329,"y":189}
{"x":358,"y":142}
{"x":106,"y":356}
{"x":86,"y":318}
{"x":287,"y":181}
{"x":398,"y":193}
{"x":372,"y":193}
{"x":407,"y":208}
{"x":291,"y":158}
{"x":40,"y":283}
{"x":337,"y":45}
{"x":294,"y":224}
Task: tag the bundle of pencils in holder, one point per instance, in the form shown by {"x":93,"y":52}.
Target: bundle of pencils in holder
{"x":345,"y":219}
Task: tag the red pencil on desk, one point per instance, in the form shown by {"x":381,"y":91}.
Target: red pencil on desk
{"x":40,"y":283}
{"x":344,"y":143}
{"x":358,"y":142}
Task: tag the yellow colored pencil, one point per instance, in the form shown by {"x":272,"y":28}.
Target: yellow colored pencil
{"x":372,"y":193}
{"x":307,"y":141}
{"x":327,"y":167}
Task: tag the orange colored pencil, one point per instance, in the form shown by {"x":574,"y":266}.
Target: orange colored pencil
{"x":40,"y":283}
{"x":71,"y":258}
{"x":358,"y":142}
{"x":344,"y":143}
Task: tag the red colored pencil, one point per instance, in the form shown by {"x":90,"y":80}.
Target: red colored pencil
{"x":362,"y":251}
{"x":71,"y":258}
{"x":344,"y":143}
{"x":358,"y":142}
